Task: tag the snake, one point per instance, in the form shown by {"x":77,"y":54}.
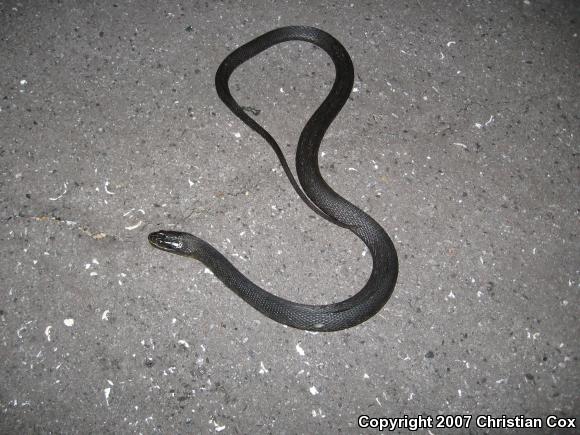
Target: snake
{"x":312,"y":189}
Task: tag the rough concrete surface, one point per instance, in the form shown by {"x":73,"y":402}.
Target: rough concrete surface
{"x":460,"y":138}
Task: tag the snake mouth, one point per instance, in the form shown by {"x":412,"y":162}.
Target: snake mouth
{"x":166,"y":240}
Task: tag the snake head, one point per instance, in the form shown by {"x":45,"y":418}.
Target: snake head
{"x":170,"y":241}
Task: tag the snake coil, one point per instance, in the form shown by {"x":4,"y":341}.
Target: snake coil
{"x":313,"y":190}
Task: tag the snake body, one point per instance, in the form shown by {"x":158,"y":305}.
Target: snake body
{"x":313,"y":190}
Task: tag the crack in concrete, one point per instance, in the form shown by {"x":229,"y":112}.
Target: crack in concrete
{"x":96,"y":235}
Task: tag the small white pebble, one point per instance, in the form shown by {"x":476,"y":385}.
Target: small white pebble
{"x":134,"y":227}
{"x":238,"y":135}
{"x":313,"y":391}
{"x":299,"y":349}
{"x":183,"y":343}
{"x":105,"y":315}
{"x":69,"y":322}
{"x":23,"y":82}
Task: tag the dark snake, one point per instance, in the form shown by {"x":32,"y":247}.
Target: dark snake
{"x":313,"y":190}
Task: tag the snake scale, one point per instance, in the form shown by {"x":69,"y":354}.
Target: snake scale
{"x":313,"y":190}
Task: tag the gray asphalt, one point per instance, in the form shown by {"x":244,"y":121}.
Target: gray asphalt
{"x":460,"y":138}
